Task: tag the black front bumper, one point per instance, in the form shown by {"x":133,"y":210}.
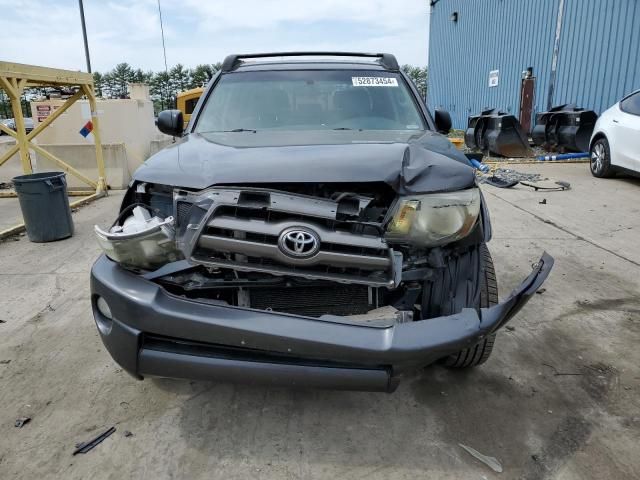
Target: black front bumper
{"x":154,"y":333}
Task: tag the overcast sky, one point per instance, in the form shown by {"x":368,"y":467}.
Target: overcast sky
{"x":48,"y":32}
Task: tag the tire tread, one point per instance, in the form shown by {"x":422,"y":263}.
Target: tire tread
{"x":479,"y":353}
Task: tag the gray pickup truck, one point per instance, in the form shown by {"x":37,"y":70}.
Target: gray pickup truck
{"x":312,"y":227}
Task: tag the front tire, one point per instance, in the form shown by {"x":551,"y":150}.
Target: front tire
{"x":468,"y":281}
{"x":601,"y":159}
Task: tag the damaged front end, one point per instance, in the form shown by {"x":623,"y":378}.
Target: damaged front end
{"x":328,"y":279}
{"x":334,"y":253}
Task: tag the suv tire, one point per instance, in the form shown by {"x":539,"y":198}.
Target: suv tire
{"x":453,"y":292}
{"x":600,"y":161}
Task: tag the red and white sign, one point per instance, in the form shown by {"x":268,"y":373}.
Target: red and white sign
{"x":43,"y":111}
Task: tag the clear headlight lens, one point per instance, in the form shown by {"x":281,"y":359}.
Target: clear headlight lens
{"x":142,"y":241}
{"x":435,"y":219}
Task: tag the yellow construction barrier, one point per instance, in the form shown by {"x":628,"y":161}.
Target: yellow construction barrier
{"x":14,"y":78}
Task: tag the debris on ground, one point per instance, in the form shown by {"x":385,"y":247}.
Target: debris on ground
{"x":495,"y":181}
{"x":6,"y":185}
{"x":540,"y":291}
{"x":543,"y":201}
{"x":127,"y":433}
{"x":549,"y":187}
{"x":22,"y":421}
{"x":511,"y":328}
{"x":491,"y":462}
{"x":5,"y":362}
{"x":510,"y":175}
{"x":84,"y":447}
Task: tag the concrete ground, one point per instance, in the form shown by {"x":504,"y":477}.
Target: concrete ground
{"x":559,"y":399}
{"x":10,"y":214}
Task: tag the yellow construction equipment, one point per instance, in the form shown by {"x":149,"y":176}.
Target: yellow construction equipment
{"x":186,"y":102}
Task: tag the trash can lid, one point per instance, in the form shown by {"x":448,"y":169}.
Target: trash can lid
{"x":37,"y":177}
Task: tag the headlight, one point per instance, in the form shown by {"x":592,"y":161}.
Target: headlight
{"x":434,"y":219}
{"x":142,"y":241}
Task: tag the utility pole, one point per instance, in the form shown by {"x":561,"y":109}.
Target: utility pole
{"x":164,"y":51}
{"x":84,"y":36}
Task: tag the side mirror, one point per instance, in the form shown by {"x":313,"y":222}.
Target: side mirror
{"x":443,"y":121}
{"x":171,"y":122}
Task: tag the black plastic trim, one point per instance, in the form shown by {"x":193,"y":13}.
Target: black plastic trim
{"x":179,"y":365}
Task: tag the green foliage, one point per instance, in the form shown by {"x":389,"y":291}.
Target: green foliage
{"x":419,"y":77}
{"x":201,"y":75}
{"x":163,"y":86}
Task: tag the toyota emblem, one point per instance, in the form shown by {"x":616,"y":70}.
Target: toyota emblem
{"x":299,"y":243}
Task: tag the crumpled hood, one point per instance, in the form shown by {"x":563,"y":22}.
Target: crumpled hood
{"x":418,"y":163}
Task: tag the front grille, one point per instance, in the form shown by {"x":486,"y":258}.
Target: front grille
{"x":313,"y":301}
{"x":182,"y":212}
{"x":243,"y":229}
{"x":269,"y":239}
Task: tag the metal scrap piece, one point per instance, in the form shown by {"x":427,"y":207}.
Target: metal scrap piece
{"x":86,"y":446}
{"x":561,"y":186}
{"x":500,"y":182}
{"x":22,"y":421}
{"x":491,"y":462}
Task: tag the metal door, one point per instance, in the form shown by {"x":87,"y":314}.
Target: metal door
{"x":527,"y":89}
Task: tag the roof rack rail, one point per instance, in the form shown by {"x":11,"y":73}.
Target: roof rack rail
{"x":387,"y":60}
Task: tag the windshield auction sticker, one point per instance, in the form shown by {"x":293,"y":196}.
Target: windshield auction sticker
{"x":374,"y":82}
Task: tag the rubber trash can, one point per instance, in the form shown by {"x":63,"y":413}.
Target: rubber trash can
{"x":44,"y":205}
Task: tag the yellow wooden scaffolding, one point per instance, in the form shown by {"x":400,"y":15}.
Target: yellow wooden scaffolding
{"x":14,"y":78}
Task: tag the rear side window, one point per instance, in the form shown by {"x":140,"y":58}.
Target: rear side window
{"x":631,"y":104}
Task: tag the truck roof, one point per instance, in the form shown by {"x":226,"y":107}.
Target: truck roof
{"x":317,"y":60}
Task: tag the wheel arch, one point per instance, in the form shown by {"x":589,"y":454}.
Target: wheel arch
{"x":597,"y":137}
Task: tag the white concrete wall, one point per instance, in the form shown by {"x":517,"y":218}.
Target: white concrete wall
{"x":12,"y":167}
{"x":128,"y":121}
{"x":82,"y":158}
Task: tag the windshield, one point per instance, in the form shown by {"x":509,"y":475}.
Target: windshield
{"x":310,"y":100}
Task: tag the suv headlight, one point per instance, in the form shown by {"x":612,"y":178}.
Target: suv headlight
{"x":142,"y":241}
{"x":434,"y":219}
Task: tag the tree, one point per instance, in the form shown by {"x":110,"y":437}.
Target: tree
{"x":201,"y":75}
{"x":163,"y":86}
{"x":122,"y":74}
{"x":419,"y":77}
{"x":98,"y":84}
{"x":138,"y":76}
{"x":179,"y":79}
{"x":159,"y":87}
{"x":108,"y":85}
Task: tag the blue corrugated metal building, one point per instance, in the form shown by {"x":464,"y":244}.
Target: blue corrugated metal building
{"x":585,"y":52}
